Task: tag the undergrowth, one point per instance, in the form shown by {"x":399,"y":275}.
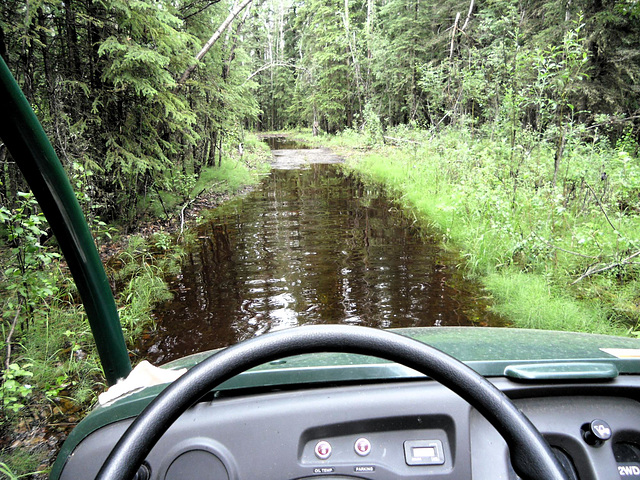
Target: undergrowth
{"x":559,"y":256}
{"x":51,"y":372}
{"x":57,"y":374}
{"x":237,"y":170}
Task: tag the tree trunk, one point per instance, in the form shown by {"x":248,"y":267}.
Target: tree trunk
{"x":72,"y":41}
{"x":3,"y":47}
{"x":94,"y":42}
{"x":226,"y":68}
{"x":559,"y":153}
{"x":214,"y":38}
{"x":214,"y":145}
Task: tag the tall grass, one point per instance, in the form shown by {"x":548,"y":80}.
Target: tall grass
{"x":56,"y":366}
{"x":58,"y":356}
{"x":530,"y":302}
{"x":535,"y":245}
{"x":235,"y":171}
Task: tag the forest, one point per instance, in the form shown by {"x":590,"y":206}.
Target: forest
{"x":523,"y":115}
{"x":136,"y":101}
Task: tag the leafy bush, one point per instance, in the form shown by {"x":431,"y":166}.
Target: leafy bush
{"x":504,"y":206}
{"x":15,"y":388}
{"x":27,"y":278}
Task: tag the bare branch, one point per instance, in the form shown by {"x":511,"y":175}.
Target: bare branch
{"x":182,"y":215}
{"x":622,"y":263}
{"x":602,"y":209}
{"x":226,"y":68}
{"x":214,"y":38}
{"x":562,"y":249}
{"x":400,"y":140}
{"x":199,"y":10}
{"x":466,"y":22}
{"x":453,"y":34}
{"x":190,"y":202}
{"x":274,"y":64}
{"x":8,"y":339}
{"x":613,"y":121}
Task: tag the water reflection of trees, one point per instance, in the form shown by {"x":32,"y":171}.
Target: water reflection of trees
{"x":311,"y":247}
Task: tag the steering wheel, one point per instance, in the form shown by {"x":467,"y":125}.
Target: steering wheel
{"x":531,"y":456}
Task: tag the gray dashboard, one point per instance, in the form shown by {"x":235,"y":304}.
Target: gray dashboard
{"x":400,"y":430}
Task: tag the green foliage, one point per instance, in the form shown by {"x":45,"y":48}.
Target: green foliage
{"x":529,"y":302}
{"x":541,"y":65}
{"x":107,"y":94}
{"x":327,"y":87}
{"x":54,"y":362}
{"x":575,"y":240}
{"x":372,"y":127}
{"x":15,"y":388}
{"x":143,"y":264}
{"x":26,"y":278}
{"x":399,"y":48}
{"x":102,"y":77}
{"x":231,"y":177}
{"x":627,"y":178}
{"x":7,"y":472}
{"x":143,"y":291}
{"x":20,"y":462}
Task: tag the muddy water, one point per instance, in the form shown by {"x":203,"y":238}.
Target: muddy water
{"x":310,"y":246}
{"x":279,"y":142}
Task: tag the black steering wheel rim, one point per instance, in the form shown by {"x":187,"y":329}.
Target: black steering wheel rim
{"x":531,"y":456}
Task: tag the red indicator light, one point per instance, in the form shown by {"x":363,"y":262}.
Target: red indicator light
{"x":323,"y":450}
{"x":362,"y":447}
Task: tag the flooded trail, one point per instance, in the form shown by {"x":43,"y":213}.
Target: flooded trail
{"x":311,"y":245}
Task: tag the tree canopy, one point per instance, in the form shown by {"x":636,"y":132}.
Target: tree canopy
{"x":531,"y":62}
{"x":135,"y":99}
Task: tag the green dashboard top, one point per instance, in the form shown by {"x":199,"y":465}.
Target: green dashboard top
{"x":487,"y":350}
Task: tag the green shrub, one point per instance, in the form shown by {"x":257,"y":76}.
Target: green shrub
{"x":497,"y":202}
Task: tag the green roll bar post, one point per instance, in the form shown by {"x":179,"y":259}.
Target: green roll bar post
{"x":29,"y":146}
